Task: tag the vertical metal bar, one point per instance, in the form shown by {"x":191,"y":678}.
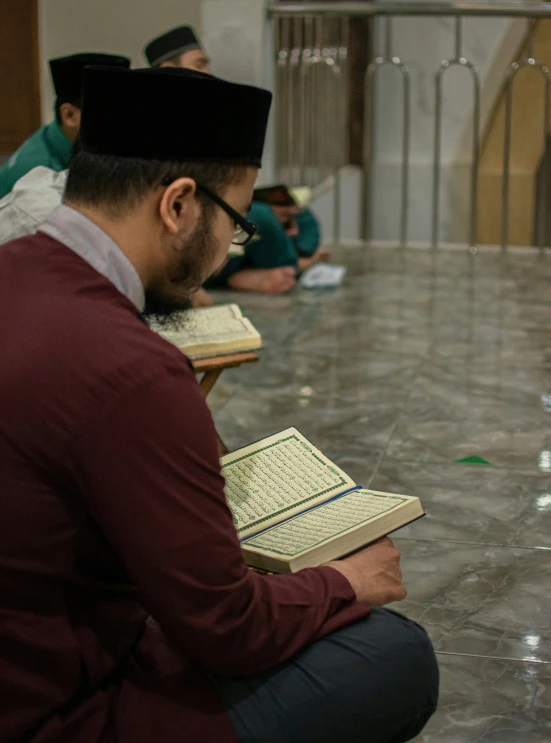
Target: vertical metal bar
{"x":545,"y":179}
{"x":284,"y":106}
{"x":511,"y":73}
{"x":344,"y":38}
{"x":289,"y":113}
{"x":326,"y":115}
{"x":458,"y":37}
{"x":530,"y":38}
{"x":277,"y":34}
{"x":288,"y":83}
{"x":340,"y":122}
{"x":388,"y":38}
{"x":529,"y":57}
{"x":337,"y":207}
{"x":506,"y":164}
{"x":406,"y":127}
{"x":458,"y":60}
{"x":342,"y":84}
{"x":305,"y":98}
{"x":279,"y":102}
{"x":475,"y":159}
{"x":369,"y":127}
{"x":318,"y":36}
{"x":308,"y":33}
{"x":312,"y":99}
{"x":437,"y":153}
{"x":316,"y":92}
{"x":368,"y":145}
{"x":303,"y":123}
{"x":294,"y":121}
{"x":370,"y":78}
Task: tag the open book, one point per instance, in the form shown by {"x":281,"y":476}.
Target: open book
{"x":293,"y":508}
{"x":323,"y":276}
{"x":214,"y":331}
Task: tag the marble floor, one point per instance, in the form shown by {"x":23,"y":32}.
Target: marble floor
{"x":430,"y":374}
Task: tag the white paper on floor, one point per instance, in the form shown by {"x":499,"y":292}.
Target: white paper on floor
{"x":323,"y":276}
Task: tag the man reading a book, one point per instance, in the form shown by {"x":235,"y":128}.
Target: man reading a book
{"x":127,"y":611}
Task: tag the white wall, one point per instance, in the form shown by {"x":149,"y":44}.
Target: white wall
{"x":239,"y":39}
{"x":323,"y":204}
{"x":113,"y":26}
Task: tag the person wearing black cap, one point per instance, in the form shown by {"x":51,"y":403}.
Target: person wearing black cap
{"x":112,"y":504}
{"x":51,"y":145}
{"x":179,"y":47}
{"x":286,"y":244}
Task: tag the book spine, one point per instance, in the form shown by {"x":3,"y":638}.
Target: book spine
{"x":301,"y":513}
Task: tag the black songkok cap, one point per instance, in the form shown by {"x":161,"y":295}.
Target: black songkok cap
{"x":172,"y":114}
{"x":274,"y":196}
{"x":171,"y":44}
{"x":67,"y":71}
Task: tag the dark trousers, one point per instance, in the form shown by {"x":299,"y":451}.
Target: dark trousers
{"x":373,"y":682}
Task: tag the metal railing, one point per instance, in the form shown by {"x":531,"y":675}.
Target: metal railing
{"x":362,"y":9}
{"x":312,"y":59}
{"x":313,"y":99}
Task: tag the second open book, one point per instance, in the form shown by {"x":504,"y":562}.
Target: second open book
{"x":214,"y":331}
{"x":293,"y":508}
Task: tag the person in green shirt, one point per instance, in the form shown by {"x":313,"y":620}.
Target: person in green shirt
{"x":51,"y":145}
{"x":286,"y":244}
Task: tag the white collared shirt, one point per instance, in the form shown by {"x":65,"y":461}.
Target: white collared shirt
{"x":35,"y":203}
{"x":33,"y":198}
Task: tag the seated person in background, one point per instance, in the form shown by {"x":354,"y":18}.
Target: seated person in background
{"x":51,"y":145}
{"x":178,"y":48}
{"x":287,"y":243}
{"x":40,"y":191}
{"x":301,"y":224}
{"x":33,"y":198}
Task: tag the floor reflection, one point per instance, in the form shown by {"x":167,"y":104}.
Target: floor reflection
{"x":421,"y":361}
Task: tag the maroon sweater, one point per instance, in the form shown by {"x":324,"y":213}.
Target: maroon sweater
{"x":112,"y":508}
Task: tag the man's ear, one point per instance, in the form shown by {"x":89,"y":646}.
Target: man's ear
{"x":179,"y":209}
{"x":70,"y":116}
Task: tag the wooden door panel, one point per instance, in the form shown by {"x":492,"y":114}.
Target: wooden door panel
{"x":19,"y":72}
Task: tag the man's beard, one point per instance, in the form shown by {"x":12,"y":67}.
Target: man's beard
{"x":166,"y":310}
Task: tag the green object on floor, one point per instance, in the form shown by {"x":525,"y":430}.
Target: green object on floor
{"x":474,"y":460}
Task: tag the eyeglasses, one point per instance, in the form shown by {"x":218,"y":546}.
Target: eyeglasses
{"x":244,"y":230}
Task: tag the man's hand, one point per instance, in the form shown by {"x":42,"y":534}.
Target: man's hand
{"x":320,"y":256}
{"x":291,"y":227}
{"x":264,"y":280}
{"x":280,"y":280}
{"x":374,"y":573}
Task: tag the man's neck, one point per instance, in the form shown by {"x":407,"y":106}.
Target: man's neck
{"x":70,"y":134}
{"x":130,"y":235}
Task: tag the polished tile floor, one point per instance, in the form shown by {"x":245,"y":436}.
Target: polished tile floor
{"x":417,"y":362}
